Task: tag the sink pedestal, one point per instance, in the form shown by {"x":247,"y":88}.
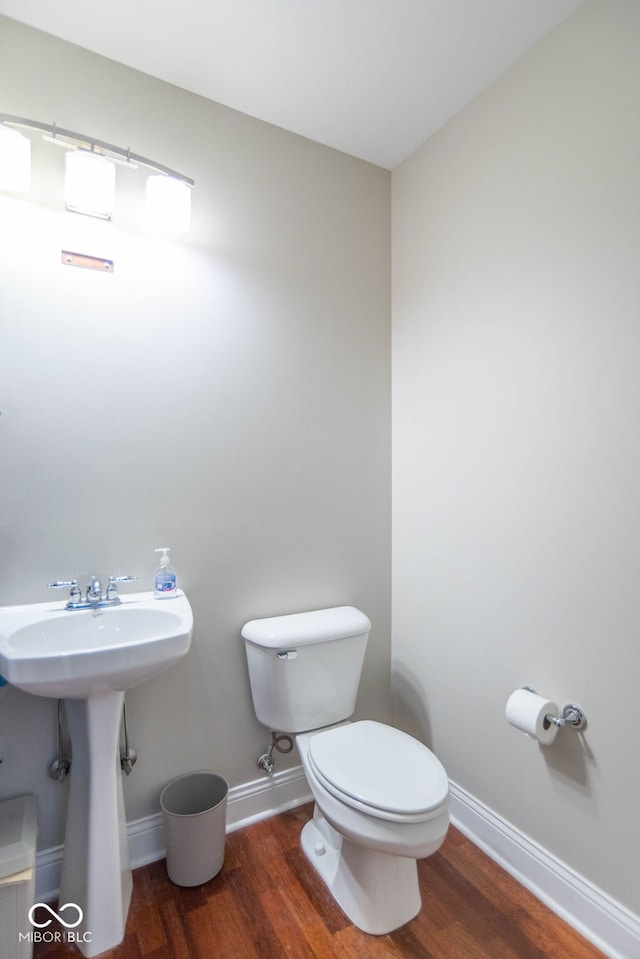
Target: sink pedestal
{"x":86,"y":657}
{"x":96,"y":874}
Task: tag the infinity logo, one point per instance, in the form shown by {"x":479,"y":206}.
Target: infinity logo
{"x":56,"y":915}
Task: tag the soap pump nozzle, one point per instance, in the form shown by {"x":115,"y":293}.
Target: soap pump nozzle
{"x":164,"y":559}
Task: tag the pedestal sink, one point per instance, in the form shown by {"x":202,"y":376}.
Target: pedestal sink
{"x":89,"y":658}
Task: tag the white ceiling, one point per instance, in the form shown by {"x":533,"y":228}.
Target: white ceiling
{"x":374,"y":78}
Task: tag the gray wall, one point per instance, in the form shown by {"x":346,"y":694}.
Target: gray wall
{"x":226,"y":393}
{"x":516,"y":444}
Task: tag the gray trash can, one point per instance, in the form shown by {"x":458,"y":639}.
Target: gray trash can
{"x":194,"y":812}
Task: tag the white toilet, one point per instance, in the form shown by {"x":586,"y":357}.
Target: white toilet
{"x":381,"y":796}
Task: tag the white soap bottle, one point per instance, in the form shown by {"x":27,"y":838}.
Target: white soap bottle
{"x":165,"y":581}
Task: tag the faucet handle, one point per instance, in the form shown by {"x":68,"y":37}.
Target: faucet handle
{"x":112,"y":588}
{"x":74,"y":593}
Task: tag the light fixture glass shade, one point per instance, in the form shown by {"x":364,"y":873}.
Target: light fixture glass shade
{"x":89,"y":184}
{"x":15,"y":160}
{"x":168,"y":204}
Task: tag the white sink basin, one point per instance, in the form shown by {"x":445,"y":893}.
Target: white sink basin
{"x":89,"y":657}
{"x":74,"y":654}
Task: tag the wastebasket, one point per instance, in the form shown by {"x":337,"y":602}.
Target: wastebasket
{"x":194,"y":812}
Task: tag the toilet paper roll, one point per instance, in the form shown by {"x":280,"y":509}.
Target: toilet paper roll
{"x":528,"y":711}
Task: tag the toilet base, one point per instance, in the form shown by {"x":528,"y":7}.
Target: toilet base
{"x":378,"y":892}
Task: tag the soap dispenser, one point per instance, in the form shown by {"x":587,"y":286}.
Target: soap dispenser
{"x":165,"y":584}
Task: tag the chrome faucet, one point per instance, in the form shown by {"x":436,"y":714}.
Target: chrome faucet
{"x":94,"y":591}
{"x":94,"y":599}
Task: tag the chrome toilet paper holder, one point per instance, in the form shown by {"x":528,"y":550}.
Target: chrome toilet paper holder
{"x":572,"y":715}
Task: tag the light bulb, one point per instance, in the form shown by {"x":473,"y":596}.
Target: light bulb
{"x":15,"y":160}
{"x":89,"y":184}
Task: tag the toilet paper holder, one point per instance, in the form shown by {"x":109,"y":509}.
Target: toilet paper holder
{"x":572,"y":715}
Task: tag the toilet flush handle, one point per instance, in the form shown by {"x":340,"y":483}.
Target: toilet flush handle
{"x":288,"y":654}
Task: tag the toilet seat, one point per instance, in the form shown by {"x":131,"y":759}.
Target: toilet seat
{"x":379,"y":770}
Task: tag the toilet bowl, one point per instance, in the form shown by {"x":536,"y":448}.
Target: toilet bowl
{"x":381,"y":803}
{"x":381,"y":797}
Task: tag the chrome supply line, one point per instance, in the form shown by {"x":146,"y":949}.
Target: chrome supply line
{"x":59,"y":768}
{"x":128,"y":756}
{"x":283,"y":743}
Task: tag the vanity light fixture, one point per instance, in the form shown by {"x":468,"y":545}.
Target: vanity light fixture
{"x":90,"y":173}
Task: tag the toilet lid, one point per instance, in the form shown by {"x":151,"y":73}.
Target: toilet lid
{"x":379,"y":767}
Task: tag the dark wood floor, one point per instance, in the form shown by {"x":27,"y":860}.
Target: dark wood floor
{"x":268,"y":903}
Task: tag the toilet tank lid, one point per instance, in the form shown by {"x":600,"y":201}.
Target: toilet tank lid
{"x":304,"y":629}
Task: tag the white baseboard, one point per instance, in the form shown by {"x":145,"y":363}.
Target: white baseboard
{"x":608,"y":925}
{"x":246,"y":804}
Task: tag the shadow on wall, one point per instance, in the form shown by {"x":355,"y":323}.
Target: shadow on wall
{"x":569,"y":759}
{"x":409,"y":705}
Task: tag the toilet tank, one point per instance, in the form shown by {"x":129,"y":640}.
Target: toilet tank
{"x":305,"y":668}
